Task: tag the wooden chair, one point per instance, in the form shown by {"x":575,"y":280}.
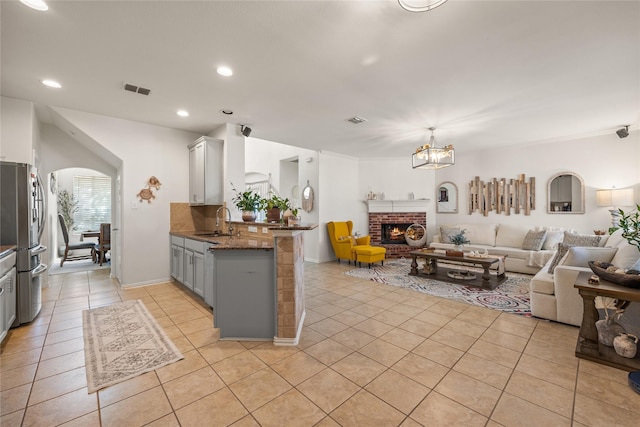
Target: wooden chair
{"x":104,"y":243}
{"x":75,"y":246}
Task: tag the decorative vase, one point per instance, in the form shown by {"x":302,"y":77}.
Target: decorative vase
{"x":626,"y":345}
{"x":608,"y":329}
{"x":248,"y":216}
{"x":273,"y":215}
{"x":457,"y":248}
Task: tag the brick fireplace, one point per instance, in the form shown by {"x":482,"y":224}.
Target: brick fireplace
{"x":388,"y":219}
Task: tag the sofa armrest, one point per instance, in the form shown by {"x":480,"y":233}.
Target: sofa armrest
{"x":364,"y":240}
{"x":569,"y":301}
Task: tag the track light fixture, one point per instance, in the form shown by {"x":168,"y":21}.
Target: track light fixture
{"x":623,"y":133}
{"x":245,"y":130}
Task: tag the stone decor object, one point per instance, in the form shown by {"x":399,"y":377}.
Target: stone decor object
{"x":608,"y":329}
{"x":626,"y":345}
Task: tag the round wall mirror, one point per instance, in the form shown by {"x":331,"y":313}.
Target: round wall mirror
{"x":565,"y":194}
{"x":447,"y":197}
{"x":307,"y":198}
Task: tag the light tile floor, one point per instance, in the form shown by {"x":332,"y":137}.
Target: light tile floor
{"x":370,"y":355}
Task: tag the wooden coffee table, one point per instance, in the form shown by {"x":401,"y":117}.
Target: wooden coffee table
{"x":432,"y":270}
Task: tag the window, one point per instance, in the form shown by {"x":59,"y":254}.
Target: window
{"x":93,"y":194}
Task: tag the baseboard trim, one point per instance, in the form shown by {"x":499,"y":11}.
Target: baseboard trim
{"x":291,"y":341}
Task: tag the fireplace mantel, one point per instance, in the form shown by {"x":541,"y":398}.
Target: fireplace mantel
{"x":416,"y":205}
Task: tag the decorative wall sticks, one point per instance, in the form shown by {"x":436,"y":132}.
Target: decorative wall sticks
{"x":502,"y":196}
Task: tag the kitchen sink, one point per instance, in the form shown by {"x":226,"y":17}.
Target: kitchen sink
{"x":211,"y":234}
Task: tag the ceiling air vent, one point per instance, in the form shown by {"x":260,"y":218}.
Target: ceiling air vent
{"x":137,"y":89}
{"x":356,"y":120}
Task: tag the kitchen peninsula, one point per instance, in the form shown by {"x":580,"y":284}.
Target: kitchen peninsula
{"x":253,"y":279}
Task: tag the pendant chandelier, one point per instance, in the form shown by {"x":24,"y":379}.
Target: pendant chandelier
{"x":420,"y":5}
{"x":429,"y":156}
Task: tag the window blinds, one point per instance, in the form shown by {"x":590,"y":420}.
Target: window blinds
{"x":93,"y":194}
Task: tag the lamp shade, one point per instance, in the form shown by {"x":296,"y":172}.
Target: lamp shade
{"x":603,"y":197}
{"x":615,"y":197}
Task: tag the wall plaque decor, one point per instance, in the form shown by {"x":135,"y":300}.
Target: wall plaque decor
{"x":146,"y":193}
{"x":502,"y":195}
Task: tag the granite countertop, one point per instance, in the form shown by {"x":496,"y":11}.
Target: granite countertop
{"x":225,"y":242}
{"x":243,"y":242}
{"x":279,"y":226}
{"x":6,"y":250}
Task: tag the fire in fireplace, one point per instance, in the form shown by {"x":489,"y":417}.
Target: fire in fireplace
{"x":393,"y":233}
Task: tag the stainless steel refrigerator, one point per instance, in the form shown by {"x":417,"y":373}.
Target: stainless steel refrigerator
{"x":22,"y":217}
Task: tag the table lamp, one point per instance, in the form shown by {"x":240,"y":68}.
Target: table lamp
{"x":615,"y":198}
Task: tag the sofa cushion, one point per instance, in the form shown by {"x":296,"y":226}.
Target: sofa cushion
{"x":480,"y":234}
{"x":534,"y":240}
{"x":446,"y":232}
{"x":581,"y":239}
{"x":579,"y":256}
{"x":511,"y":235}
{"x":542,"y":283}
{"x":552,"y":239}
{"x":615,"y":239}
{"x":560,"y":253}
{"x":626,"y":256}
{"x":515,"y":253}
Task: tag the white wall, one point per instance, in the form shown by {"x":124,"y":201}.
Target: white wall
{"x":602,"y":162}
{"x":396,"y":179}
{"x":338,"y":198}
{"x":17,"y":131}
{"x":145,"y":150}
{"x":264,"y":157}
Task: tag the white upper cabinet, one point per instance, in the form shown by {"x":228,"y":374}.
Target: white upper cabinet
{"x":206,"y":172}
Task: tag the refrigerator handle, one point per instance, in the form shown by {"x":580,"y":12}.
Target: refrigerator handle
{"x":43,"y":211}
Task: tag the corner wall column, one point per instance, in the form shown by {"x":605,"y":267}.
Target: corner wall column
{"x":289,"y":246}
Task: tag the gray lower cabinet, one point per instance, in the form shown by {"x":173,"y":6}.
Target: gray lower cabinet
{"x":194,"y":266}
{"x":244,"y":293}
{"x":187,"y":263}
{"x":177,"y":258}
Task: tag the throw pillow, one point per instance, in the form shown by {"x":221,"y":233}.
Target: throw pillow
{"x":636,"y":266}
{"x":533,"y":240}
{"x":447,"y":232}
{"x":580,"y":256}
{"x":560,"y":253}
{"x":581,"y":239}
{"x":626,"y":256}
{"x":552,"y":240}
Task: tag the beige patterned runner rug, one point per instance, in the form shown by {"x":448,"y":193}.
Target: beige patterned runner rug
{"x":121,"y":341}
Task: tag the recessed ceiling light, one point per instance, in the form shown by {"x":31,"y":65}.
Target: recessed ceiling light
{"x":225,"y":71}
{"x":52,"y":83}
{"x":35,"y":4}
{"x":182,"y":113}
{"x":227,"y":112}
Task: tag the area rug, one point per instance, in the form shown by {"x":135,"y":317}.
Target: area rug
{"x":121,"y":341}
{"x":76,"y":266}
{"x":512,"y":296}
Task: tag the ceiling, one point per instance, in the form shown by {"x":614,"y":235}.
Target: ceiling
{"x":487,"y":74}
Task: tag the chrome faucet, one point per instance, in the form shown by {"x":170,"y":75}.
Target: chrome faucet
{"x":228,"y":216}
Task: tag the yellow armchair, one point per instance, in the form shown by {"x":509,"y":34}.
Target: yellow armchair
{"x":343,"y":242}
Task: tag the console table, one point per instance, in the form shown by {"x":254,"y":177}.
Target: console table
{"x":588,"y":346}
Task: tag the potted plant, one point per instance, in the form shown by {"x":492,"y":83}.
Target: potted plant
{"x":630,"y":225}
{"x":274,"y":206}
{"x":248,"y":202}
{"x":68,"y":205}
{"x":459,"y":239}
